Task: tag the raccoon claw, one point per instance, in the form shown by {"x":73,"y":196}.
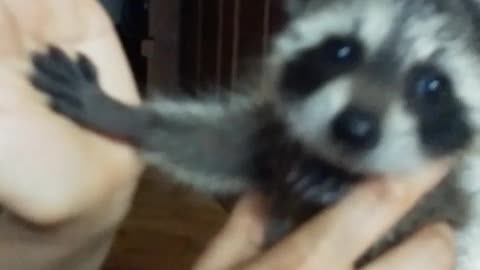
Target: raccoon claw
{"x":320,"y":184}
{"x":71,"y":85}
{"x":311,"y":187}
{"x":57,"y":65}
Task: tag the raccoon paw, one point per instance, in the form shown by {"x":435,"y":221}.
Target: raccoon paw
{"x":319,"y":185}
{"x":311,"y":189}
{"x":71,"y":85}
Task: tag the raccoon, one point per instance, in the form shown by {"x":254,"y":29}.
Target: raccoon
{"x":351,"y":88}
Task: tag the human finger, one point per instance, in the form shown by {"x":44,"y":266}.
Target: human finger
{"x":430,"y":248}
{"x":354,"y":224}
{"x":240,"y":239}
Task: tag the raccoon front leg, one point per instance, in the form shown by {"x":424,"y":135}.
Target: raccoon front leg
{"x":205,"y":143}
{"x":75,"y":92}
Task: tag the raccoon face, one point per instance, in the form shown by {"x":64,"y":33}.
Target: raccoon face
{"x":379,"y":86}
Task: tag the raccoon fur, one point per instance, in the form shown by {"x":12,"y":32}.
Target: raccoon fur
{"x":351,"y":88}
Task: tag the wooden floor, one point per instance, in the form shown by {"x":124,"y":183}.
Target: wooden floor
{"x":167,"y":229}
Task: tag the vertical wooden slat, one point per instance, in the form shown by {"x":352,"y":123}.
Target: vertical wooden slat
{"x":191,"y":45}
{"x":210,"y":42}
{"x":237,"y":12}
{"x":163,"y":48}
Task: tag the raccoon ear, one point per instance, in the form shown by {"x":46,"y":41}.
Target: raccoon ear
{"x":295,"y":7}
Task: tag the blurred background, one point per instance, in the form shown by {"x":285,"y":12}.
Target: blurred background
{"x":185,"y":47}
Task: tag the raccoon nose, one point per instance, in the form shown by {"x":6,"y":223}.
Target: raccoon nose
{"x":357,"y":129}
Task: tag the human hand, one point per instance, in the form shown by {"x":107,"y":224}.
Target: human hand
{"x":50,"y":169}
{"x":73,"y":186}
{"x":336,"y":238}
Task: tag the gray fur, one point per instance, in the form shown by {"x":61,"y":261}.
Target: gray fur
{"x":205,"y":143}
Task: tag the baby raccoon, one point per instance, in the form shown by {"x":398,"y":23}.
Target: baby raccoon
{"x":352,"y":88}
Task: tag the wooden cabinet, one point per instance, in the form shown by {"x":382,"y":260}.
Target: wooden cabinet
{"x":198,"y":43}
{"x":220,"y":38}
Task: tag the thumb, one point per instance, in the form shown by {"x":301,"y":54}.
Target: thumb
{"x":239,"y":240}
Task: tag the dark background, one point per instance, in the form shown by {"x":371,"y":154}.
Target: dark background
{"x":187,"y":45}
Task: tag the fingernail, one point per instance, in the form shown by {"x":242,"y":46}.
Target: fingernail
{"x":441,"y":244}
{"x":444,"y":232}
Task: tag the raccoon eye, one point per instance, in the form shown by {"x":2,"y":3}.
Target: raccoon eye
{"x":428,"y":85}
{"x":315,"y":66}
{"x":339,"y":50}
